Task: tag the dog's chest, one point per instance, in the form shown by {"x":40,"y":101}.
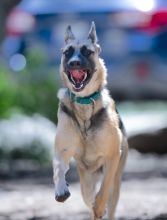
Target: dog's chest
{"x":84,"y":113}
{"x":91,"y":126}
{"x":90,"y":155}
{"x":90,"y":121}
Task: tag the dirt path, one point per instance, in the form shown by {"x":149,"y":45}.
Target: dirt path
{"x":34,"y":199}
{"x":143,"y":195}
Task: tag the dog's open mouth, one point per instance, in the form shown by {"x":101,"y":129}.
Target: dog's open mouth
{"x":79,"y":78}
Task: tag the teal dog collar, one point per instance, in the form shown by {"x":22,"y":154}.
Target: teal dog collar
{"x":84,"y":100}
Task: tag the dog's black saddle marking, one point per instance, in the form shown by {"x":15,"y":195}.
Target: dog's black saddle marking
{"x":121,"y":125}
{"x":67,"y":111}
{"x":98,"y":118}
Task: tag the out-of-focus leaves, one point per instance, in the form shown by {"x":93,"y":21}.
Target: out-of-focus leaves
{"x":33,"y":90}
{"x":8,"y":92}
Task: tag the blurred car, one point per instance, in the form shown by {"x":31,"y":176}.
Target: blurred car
{"x":130,"y":33}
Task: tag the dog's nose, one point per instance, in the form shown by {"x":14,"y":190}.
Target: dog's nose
{"x":75,"y":63}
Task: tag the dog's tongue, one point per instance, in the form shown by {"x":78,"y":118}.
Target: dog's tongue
{"x":78,"y":75}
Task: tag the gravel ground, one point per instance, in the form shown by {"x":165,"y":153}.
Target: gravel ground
{"x":143,"y":195}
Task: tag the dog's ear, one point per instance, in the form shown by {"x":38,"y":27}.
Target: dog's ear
{"x":92,"y":33}
{"x":68,"y":34}
{"x":93,"y":37}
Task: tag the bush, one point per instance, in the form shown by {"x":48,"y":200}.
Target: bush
{"x":8,"y":93}
{"x":38,"y":97}
{"x":27,"y":138}
{"x":33,"y":90}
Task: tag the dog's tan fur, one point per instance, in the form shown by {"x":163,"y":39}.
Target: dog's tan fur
{"x":102,"y":148}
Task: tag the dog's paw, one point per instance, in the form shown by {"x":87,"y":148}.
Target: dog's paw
{"x":98,"y":208}
{"x":62,"y":197}
{"x":61,"y":190}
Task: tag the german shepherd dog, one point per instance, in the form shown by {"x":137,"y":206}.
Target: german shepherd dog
{"x":89,"y":128}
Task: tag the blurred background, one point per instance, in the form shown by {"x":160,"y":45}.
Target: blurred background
{"x":133,"y":38}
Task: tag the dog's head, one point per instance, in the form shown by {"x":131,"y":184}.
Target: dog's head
{"x":82,"y":71}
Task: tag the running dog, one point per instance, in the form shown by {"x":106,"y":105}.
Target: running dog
{"x":89,"y":128}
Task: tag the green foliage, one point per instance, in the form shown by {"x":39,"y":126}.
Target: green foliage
{"x":34,"y":152}
{"x":33,"y":90}
{"x":38,"y":155}
{"x":38,"y":96}
{"x":8,"y":92}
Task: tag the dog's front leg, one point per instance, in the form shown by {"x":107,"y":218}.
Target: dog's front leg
{"x":59,"y":170}
{"x":63,"y":154}
{"x":65,"y":147}
{"x":102,"y":196}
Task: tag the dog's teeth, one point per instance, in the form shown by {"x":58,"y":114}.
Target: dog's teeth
{"x":81,"y":85}
{"x":84,"y":77}
{"x":78,"y":84}
{"x":72,"y":79}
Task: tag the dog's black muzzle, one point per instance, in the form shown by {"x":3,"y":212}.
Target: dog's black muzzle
{"x":79,"y":71}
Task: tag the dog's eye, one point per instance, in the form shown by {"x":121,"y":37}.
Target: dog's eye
{"x":69,"y":52}
{"x":85,"y":51}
